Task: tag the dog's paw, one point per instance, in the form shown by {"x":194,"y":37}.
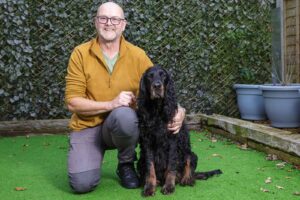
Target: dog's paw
{"x":168,"y":189}
{"x":149,"y":190}
{"x":190,"y":181}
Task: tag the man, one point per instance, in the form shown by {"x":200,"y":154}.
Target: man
{"x":101,"y":86}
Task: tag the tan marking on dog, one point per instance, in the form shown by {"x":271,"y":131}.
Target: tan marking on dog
{"x":151,"y":179}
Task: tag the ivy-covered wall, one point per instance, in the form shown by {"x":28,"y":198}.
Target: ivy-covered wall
{"x":207,"y":45}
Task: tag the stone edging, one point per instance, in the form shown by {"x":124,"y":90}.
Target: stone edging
{"x":282,"y":142}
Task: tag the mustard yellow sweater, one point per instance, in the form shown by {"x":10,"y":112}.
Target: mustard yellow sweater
{"x":89,"y":77}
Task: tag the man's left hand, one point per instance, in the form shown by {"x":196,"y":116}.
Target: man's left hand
{"x":177,"y":121}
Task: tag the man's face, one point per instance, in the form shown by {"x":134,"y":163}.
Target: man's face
{"x":111,"y":29}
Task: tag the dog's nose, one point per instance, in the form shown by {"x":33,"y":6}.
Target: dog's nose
{"x":157,"y":85}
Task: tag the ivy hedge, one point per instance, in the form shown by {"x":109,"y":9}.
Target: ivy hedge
{"x":207,"y":45}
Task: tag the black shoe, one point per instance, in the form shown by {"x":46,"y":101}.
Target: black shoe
{"x":128,"y":176}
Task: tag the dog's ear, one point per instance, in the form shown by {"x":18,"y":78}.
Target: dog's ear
{"x":170,"y":89}
{"x":170,"y":96}
{"x":143,"y":97}
{"x":142,"y":94}
{"x":142,"y":89}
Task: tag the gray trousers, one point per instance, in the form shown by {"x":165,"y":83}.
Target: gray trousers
{"x":118,"y":131}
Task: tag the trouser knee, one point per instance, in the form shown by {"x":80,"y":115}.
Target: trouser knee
{"x":121,"y":127}
{"x":120,"y":130}
{"x":84,"y":182}
{"x":125,"y":121}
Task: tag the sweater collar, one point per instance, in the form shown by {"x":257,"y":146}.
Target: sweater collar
{"x":96,"y":49}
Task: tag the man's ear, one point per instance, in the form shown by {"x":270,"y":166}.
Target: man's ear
{"x":95,"y":23}
{"x":124,"y":24}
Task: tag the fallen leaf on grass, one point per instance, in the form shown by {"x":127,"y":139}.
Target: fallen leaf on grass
{"x":217,"y":155}
{"x":281,"y":165}
{"x":272,"y":157}
{"x":20,"y":188}
{"x":200,"y":140}
{"x":288,"y":177}
{"x":261,"y":169}
{"x":279,"y":187}
{"x":264,"y":190}
{"x":296,"y":193}
{"x":243,"y":146}
{"x":296,"y":167}
{"x":46,"y":144}
{"x":268,"y":180}
{"x":25,"y":145}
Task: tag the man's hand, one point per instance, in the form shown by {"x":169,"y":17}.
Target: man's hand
{"x":177,"y":121}
{"x":89,"y":107}
{"x":125,"y":98}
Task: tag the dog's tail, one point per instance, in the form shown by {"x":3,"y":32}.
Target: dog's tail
{"x":206,"y":175}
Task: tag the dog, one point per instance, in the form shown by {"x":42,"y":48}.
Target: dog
{"x":165,"y":158}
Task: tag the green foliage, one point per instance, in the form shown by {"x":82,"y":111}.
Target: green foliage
{"x":206,"y":45}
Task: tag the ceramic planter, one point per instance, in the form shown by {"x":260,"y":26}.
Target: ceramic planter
{"x":282,"y":104}
{"x":250,"y":101}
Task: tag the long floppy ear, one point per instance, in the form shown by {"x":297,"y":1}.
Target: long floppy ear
{"x":170,"y":97}
{"x":142,"y":94}
{"x":142,"y":99}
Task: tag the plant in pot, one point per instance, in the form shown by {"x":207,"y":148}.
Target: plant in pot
{"x":249,"y":97}
{"x":282,"y":98}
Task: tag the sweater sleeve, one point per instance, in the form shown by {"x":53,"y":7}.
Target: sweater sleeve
{"x":75,"y":79}
{"x":145,"y":64}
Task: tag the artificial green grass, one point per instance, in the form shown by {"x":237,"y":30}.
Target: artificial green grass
{"x":38,"y":164}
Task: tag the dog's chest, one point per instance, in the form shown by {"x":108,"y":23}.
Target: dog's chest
{"x":159,"y":135}
{"x":160,"y":143}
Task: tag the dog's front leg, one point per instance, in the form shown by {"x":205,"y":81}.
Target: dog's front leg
{"x":169,"y":186}
{"x":170,"y":180}
{"x":189,"y":168}
{"x":150,"y":184}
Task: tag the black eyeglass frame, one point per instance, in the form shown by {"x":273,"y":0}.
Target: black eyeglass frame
{"x":113,"y":20}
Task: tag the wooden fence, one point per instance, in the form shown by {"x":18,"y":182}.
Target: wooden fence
{"x":291,"y":44}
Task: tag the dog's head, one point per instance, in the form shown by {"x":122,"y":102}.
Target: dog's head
{"x":157,"y":94}
{"x":155,"y":83}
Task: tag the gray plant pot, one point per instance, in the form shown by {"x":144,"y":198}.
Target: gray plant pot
{"x":282,"y":104}
{"x":250,"y":101}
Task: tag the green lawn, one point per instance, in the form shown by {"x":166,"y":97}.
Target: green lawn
{"x":38,"y":165}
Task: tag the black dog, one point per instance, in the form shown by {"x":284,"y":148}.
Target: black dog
{"x":165,"y":158}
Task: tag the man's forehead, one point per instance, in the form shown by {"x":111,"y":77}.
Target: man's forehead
{"x":110,"y":9}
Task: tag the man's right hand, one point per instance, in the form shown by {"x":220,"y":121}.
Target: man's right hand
{"x":125,"y":98}
{"x":89,"y":107}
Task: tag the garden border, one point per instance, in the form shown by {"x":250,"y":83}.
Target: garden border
{"x":283,"y":143}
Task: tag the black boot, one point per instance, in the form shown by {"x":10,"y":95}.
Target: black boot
{"x":128,"y":176}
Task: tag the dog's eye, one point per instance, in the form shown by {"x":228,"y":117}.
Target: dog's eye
{"x":150,"y":75}
{"x":161,"y":74}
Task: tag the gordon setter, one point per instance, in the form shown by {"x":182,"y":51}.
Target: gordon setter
{"x":165,"y":158}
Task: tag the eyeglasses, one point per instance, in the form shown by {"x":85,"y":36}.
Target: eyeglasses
{"x":113,"y":20}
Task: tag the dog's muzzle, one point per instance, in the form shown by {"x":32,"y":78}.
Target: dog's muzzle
{"x":157,"y":90}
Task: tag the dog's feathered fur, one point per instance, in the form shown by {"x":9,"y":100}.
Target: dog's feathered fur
{"x":165,"y":158}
